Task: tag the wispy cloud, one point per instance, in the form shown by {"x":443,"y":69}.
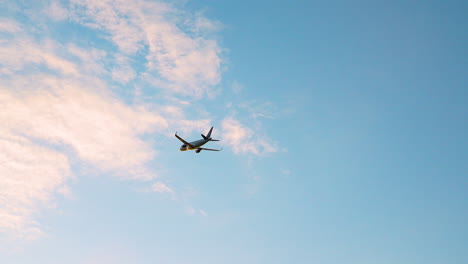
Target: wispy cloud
{"x":21,"y":52}
{"x":237,"y":87}
{"x":9,"y":26}
{"x":242,"y":139}
{"x":31,"y":175}
{"x":178,"y":60}
{"x":193,"y":211}
{"x":56,"y":11}
{"x":161,"y":188}
{"x":59,"y":104}
{"x":100,"y":130}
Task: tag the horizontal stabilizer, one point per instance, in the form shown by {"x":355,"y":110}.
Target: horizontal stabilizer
{"x":211,"y":149}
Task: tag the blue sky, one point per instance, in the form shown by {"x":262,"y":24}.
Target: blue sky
{"x":343,"y":127}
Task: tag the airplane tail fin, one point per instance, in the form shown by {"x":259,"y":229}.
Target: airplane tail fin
{"x":209,"y":133}
{"x":208,"y":136}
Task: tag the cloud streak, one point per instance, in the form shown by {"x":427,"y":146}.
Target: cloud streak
{"x":242,"y":139}
{"x":41,"y":128}
{"x":31,"y":175}
{"x":179,"y":61}
{"x":9,"y":26}
{"x":161,"y":188}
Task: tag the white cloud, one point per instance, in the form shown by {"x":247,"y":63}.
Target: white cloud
{"x":258,"y":109}
{"x":99,"y":128}
{"x":56,"y":11}
{"x":31,"y":175}
{"x":120,"y":18}
{"x":90,"y":60}
{"x":204,"y":25}
{"x":202,"y":212}
{"x":243,"y":139}
{"x":102,"y":131}
{"x":22,"y":52}
{"x":161,"y":188}
{"x":9,"y":26}
{"x":182,"y":62}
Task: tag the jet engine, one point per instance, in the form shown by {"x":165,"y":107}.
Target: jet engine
{"x":198,"y":150}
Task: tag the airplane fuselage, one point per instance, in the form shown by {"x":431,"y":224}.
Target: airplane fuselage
{"x":196,"y":144}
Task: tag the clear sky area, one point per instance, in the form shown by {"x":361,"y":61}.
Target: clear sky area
{"x":343,"y":127}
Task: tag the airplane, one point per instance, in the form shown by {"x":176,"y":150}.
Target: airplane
{"x":196,"y":145}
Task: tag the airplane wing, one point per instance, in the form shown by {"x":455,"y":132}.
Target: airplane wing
{"x":211,"y":149}
{"x":183,"y":140}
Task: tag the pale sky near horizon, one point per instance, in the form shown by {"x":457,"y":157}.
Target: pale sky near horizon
{"x":343,"y":126}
